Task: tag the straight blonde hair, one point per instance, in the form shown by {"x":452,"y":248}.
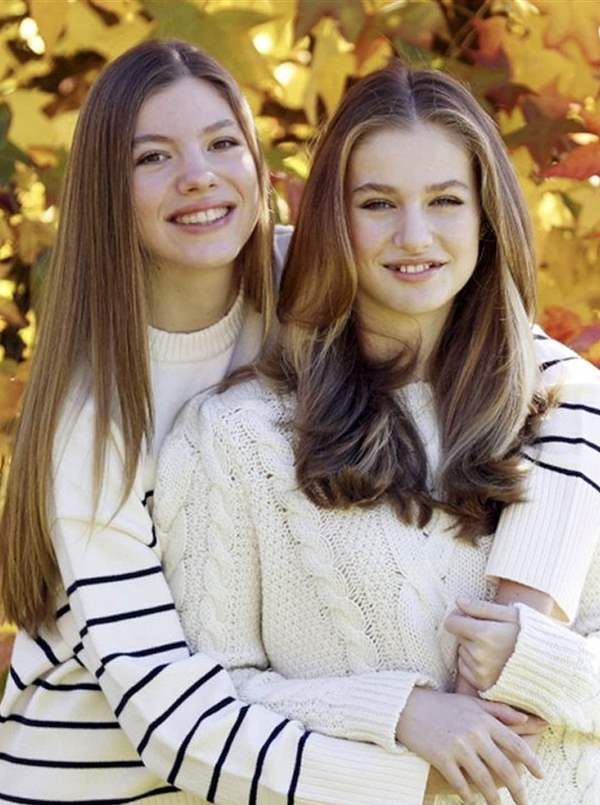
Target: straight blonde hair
{"x":95,"y":309}
{"x":356,"y":444}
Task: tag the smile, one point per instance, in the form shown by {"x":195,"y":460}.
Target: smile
{"x":202,"y":217}
{"x":412,"y":268}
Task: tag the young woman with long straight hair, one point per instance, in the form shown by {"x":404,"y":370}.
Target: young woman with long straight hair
{"x":161,"y":282}
{"x":394,"y":450}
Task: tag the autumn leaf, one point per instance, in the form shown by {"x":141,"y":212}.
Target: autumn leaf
{"x":561,"y":323}
{"x":543,"y":135}
{"x":576,"y":21}
{"x":580,"y":163}
{"x":225,"y":34}
{"x":350,"y":15}
{"x":51,"y":19}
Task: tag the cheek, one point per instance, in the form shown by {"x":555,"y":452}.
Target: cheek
{"x":366,"y":236}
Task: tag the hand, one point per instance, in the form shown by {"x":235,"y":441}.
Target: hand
{"x":462,"y":737}
{"x":487,"y":634}
{"x":532,"y":727}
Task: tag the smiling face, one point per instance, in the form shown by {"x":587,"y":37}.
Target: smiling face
{"x":195,"y":184}
{"x":414,"y":218}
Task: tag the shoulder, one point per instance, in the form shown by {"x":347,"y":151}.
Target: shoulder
{"x":245,"y":412}
{"x":562,"y":368}
{"x":213,"y":434}
{"x":282,"y":236}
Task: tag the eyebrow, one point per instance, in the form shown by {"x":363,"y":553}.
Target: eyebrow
{"x":163,"y":138}
{"x":388,"y":189}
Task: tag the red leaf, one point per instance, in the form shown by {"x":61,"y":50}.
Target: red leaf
{"x":580,"y":163}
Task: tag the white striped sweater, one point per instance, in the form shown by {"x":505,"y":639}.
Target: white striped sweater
{"x":109,"y":705}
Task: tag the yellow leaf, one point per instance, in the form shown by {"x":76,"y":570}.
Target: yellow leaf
{"x":332,"y":63}
{"x":85,"y":27}
{"x":51,"y":19}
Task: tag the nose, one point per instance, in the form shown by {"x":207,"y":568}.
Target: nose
{"x":196,"y":174}
{"x":413,"y":232}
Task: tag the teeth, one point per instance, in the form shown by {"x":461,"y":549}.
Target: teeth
{"x":412,"y":269}
{"x":202,"y":216}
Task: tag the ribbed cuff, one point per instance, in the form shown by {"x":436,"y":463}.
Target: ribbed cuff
{"x":360,"y":775}
{"x":543,"y":670}
{"x":373,"y":703}
{"x":547,"y":542}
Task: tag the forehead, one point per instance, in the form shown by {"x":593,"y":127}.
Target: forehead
{"x":423,"y":154}
{"x":186,"y":103}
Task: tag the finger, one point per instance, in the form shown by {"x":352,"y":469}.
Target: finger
{"x":487,"y":610}
{"x":533,"y":726}
{"x":503,"y":712}
{"x":518,"y":749}
{"x":457,"y":781}
{"x":467,"y":674}
{"x":481,"y":779}
{"x":504,"y":769}
{"x":463,"y":626}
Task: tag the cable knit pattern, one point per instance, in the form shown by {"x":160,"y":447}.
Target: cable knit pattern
{"x":333,"y":617}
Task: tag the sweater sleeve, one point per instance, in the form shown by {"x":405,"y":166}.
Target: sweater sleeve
{"x":219,"y":598}
{"x":554,"y":671}
{"x":547,"y":541}
{"x":181,"y":712}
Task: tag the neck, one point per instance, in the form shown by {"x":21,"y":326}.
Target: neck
{"x":184,"y":301}
{"x":421,"y":332}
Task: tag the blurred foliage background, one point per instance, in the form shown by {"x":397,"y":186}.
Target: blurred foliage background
{"x":534,"y":64}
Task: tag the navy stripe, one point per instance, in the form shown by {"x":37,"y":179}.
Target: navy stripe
{"x":147,"y":497}
{"x":144,"y":652}
{"x":185,"y":695}
{"x":47,"y":650}
{"x":563,"y":471}
{"x":580,"y":407}
{"x":121,"y":801}
{"x":138,"y":686}
{"x":548,"y":364}
{"x":541,"y":338}
{"x":62,"y":725}
{"x":125,"y":616}
{"x":260,"y":761}
{"x":71,"y":764}
{"x":17,"y":679}
{"x":214,"y":782}
{"x":78,"y":648}
{"x":134,"y":574}
{"x":62,"y":611}
{"x":566,"y":440}
{"x":41,"y":683}
{"x":186,"y":741}
{"x":154,"y":539}
{"x":297,"y":767}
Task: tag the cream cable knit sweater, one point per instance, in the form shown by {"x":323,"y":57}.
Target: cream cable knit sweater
{"x":333,"y":617}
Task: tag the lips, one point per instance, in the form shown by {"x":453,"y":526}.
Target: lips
{"x":413,"y":268}
{"x":200,"y":216}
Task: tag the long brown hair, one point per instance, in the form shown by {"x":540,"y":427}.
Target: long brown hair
{"x":95,"y":311}
{"x":356,"y":443}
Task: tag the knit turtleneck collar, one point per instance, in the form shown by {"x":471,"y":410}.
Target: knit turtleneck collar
{"x":201,"y":344}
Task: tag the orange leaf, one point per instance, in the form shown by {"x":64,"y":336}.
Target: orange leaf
{"x":561,"y":323}
{"x":580,"y":163}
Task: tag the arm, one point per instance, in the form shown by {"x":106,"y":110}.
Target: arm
{"x":181,"y":712}
{"x":546,"y":542}
{"x":211,"y":530}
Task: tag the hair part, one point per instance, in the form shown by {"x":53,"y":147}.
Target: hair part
{"x":357,"y":443}
{"x":95,"y":309}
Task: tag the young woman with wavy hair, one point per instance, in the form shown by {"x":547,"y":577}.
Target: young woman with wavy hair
{"x":161,"y":282}
{"x":393,"y":454}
